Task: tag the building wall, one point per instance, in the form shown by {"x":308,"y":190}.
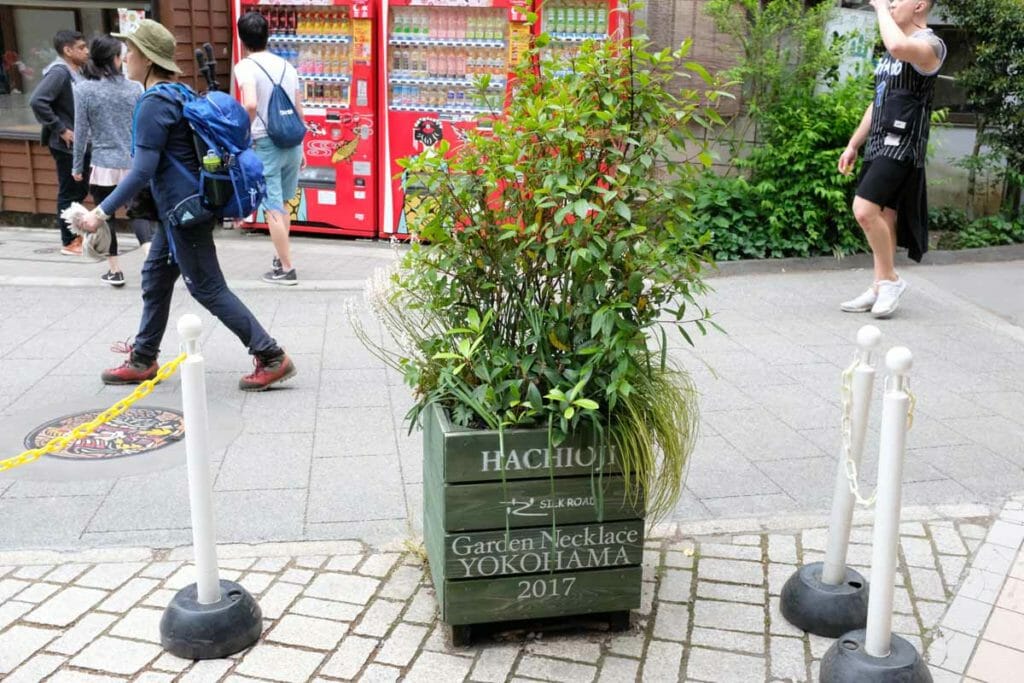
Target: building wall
{"x":195,"y":22}
{"x":28,"y":177}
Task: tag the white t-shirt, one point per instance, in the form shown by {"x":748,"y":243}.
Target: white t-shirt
{"x":247,"y":72}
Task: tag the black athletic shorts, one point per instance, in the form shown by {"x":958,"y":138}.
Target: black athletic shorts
{"x":884,"y":181}
{"x":901,"y":186}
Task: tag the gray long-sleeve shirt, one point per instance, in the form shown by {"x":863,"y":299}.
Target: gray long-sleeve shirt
{"x":53,"y":103}
{"x":103,"y":117}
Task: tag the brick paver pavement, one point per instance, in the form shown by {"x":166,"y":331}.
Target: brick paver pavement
{"x":339,"y":611}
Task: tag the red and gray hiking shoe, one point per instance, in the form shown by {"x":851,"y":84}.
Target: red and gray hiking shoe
{"x":269,"y":371}
{"x":132,"y":371}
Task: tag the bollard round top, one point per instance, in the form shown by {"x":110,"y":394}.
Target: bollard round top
{"x":190,"y":327}
{"x":869,"y":337}
{"x":899,"y":360}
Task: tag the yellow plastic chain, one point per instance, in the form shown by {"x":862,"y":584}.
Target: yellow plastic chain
{"x":59,"y":443}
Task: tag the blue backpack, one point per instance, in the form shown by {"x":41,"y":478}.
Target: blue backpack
{"x":235,"y":188}
{"x":284,"y":125}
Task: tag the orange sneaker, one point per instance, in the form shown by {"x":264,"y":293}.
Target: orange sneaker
{"x":72,"y":248}
{"x":133,"y":371}
{"x":267,"y":373}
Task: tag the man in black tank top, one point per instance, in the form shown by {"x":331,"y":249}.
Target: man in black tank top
{"x":891,"y":202}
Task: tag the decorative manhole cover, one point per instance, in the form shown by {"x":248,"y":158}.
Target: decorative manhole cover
{"x":138,"y":430}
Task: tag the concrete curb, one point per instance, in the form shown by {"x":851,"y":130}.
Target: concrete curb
{"x":237,"y":285}
{"x":1012,"y":252}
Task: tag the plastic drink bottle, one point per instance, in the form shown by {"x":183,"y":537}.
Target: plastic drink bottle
{"x":453,"y":64}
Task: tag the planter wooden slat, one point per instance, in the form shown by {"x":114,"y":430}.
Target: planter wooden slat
{"x":526,"y":456}
{"x":531,"y":502}
{"x":544,"y":595}
{"x":543,"y":549}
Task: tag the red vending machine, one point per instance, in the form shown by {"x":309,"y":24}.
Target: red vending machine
{"x":331,"y":44}
{"x":434,"y":50}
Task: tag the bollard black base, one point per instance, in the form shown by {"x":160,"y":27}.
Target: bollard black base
{"x":847,"y":662}
{"x":823,"y":609}
{"x":193,"y":631}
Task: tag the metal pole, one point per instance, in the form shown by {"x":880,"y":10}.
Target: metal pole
{"x":895,"y":405}
{"x":833,"y":570}
{"x":193,"y":399}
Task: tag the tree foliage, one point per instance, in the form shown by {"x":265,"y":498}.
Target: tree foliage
{"x":993,"y":77}
{"x":783,"y":47}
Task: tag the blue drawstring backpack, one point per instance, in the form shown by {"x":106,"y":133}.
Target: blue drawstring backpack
{"x":284,"y":125}
{"x":221,"y":125}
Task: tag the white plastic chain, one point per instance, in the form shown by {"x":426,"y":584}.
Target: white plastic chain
{"x":852,"y":475}
{"x":847,"y":432}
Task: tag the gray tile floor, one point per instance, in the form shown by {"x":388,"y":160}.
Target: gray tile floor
{"x":328,"y":455}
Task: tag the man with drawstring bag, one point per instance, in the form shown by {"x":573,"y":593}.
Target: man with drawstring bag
{"x":165,"y":158}
{"x":270,"y":93}
{"x":891,"y":205}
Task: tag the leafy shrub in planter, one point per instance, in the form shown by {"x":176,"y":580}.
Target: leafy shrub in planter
{"x":560,"y":245}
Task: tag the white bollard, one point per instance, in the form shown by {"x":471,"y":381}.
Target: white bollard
{"x":828,"y":598}
{"x":211,"y":618}
{"x":834,"y":567}
{"x":895,"y":409}
{"x":193,"y":399}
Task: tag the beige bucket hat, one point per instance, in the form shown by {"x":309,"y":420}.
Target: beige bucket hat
{"x":155,"y":41}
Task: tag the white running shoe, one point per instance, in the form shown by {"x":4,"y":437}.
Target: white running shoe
{"x":861,"y":304}
{"x":889,"y":293}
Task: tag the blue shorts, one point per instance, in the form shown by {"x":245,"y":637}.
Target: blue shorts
{"x":281,"y":171}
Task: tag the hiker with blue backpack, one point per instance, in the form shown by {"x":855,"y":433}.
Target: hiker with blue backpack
{"x":192,"y":188}
{"x":270,"y":94}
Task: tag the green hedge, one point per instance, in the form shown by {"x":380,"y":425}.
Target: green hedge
{"x":793,"y":201}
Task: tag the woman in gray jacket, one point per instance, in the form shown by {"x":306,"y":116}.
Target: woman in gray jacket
{"x":104,"y":103}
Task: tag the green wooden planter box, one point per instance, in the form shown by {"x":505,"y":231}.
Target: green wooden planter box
{"x":538,"y":544}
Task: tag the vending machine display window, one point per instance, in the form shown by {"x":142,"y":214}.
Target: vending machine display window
{"x":437,"y":54}
{"x":570,"y":23}
{"x":447,"y":72}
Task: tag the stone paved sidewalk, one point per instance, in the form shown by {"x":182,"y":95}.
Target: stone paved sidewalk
{"x":339,"y":611}
{"x":770,"y":405}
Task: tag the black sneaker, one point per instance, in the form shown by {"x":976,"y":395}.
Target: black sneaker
{"x":113,"y":279}
{"x":280,"y":277}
